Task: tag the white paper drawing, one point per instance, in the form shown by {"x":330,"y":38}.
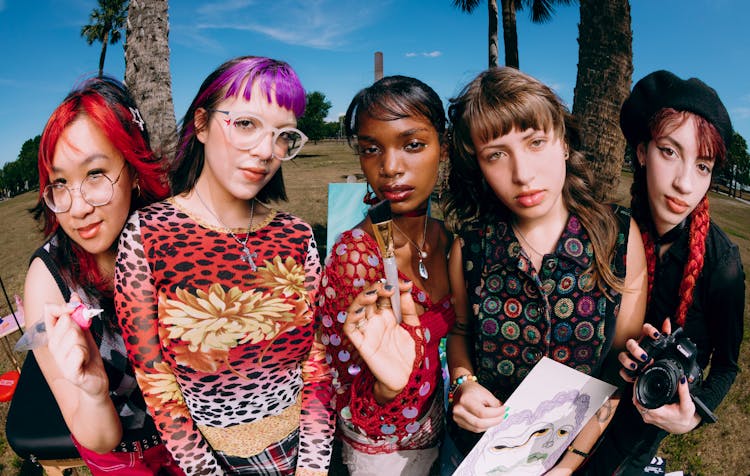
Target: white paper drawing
{"x":547,"y":411}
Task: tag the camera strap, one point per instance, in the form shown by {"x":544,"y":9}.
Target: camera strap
{"x":706,"y":414}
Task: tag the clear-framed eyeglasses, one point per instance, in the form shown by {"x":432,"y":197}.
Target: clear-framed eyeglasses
{"x":246,"y":130}
{"x":96,"y":189}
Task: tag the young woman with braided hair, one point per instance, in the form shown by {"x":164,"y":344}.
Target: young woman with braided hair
{"x":679,"y":131}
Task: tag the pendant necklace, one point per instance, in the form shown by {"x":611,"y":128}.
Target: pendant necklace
{"x":248,"y":256}
{"x":420,"y":252}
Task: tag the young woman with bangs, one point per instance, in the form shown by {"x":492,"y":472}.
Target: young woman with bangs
{"x":95,"y":168}
{"x":679,"y":131}
{"x":215,"y":287}
{"x":540,"y":267}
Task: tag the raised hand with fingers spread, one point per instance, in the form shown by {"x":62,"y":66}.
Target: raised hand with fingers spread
{"x":386,"y":347}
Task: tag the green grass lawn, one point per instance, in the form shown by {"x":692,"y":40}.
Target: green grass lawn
{"x":711,"y":450}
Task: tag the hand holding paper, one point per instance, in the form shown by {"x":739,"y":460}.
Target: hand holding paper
{"x":548,"y":409}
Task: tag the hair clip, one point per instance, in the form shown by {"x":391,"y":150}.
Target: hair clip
{"x":137,"y":119}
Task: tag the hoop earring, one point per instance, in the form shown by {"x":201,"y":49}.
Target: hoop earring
{"x":370,"y":198}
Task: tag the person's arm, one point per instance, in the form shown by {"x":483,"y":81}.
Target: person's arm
{"x":635,"y":291}
{"x":137,"y":311}
{"x":725,"y":304}
{"x":725,"y":312}
{"x":71,"y":364}
{"x":584,"y":442}
{"x":316,"y":417}
{"x":474,"y":407}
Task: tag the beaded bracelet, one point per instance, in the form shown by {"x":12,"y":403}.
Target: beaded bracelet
{"x":457,"y":383}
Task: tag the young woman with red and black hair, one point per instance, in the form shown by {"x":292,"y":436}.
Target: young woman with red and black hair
{"x":679,"y":132}
{"x":95,"y":168}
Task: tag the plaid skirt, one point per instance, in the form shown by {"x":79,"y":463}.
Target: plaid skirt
{"x":279,"y":459}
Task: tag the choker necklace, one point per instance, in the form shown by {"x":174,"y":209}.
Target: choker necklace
{"x":520,"y":235}
{"x":248,"y":256}
{"x":420,"y":252}
{"x":419,"y":212}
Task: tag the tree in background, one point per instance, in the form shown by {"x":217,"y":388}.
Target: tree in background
{"x":541,"y":12}
{"x":737,"y":170}
{"x":22,"y":174}
{"x":147,"y":72}
{"x":605,"y":69}
{"x":106,"y":25}
{"x":313,"y":121}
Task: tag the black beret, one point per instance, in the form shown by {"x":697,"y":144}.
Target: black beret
{"x":662,"y":89}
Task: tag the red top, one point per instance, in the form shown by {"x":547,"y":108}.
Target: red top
{"x":409,"y":421}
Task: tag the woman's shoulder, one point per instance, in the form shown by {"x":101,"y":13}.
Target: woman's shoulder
{"x":721,"y":251}
{"x":284,"y":220}
{"x":353,"y":239}
{"x":155,"y":213}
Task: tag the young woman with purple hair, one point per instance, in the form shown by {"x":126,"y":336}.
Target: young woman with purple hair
{"x":215,"y":288}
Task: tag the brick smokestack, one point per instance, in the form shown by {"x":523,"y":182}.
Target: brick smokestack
{"x":378,"y":65}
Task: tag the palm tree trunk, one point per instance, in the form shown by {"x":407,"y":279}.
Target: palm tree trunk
{"x":510,"y":35}
{"x":147,"y":72}
{"x":103,"y":54}
{"x":492,"y":33}
{"x":605,"y":69}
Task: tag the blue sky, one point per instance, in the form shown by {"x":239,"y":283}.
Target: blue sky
{"x":331,"y":44}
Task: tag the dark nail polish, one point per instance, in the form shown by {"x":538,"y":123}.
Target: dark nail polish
{"x":644,"y":356}
{"x":407,"y":281}
{"x":656,"y":334}
{"x":633,"y":366}
{"x":371,"y":292}
{"x":683,"y":379}
{"x":360,"y":310}
{"x":388,"y":287}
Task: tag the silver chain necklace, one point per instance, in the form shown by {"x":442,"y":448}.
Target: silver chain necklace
{"x":420,"y":252}
{"x":521,"y":235}
{"x":248,"y":256}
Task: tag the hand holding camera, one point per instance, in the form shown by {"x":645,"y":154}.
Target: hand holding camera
{"x":666,"y":360}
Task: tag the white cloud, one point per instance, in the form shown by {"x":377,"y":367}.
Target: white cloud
{"x":321,"y":24}
{"x":431,"y":54}
{"x":223,"y":7}
{"x":194,"y":39}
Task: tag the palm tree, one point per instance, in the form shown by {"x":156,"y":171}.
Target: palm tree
{"x":106,"y":25}
{"x":541,"y":12}
{"x":147,"y":72}
{"x":605,"y":69}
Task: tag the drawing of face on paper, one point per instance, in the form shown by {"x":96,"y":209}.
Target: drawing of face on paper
{"x":530,"y":442}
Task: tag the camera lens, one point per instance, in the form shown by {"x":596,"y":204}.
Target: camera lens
{"x":657,"y":385}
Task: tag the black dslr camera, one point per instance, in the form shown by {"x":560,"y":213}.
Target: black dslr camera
{"x":674,"y":356}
